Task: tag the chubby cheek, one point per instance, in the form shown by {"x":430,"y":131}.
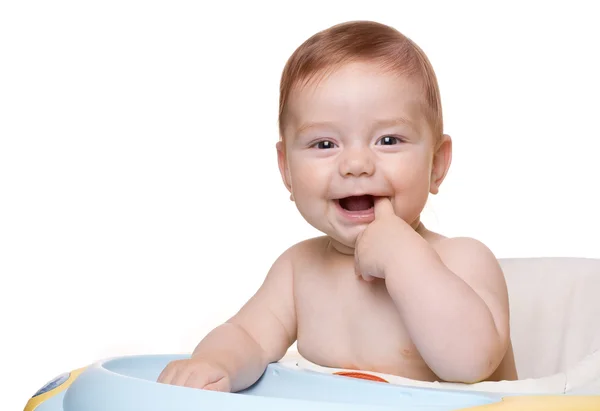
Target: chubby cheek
{"x":308,"y":190}
{"x":308,"y":180}
{"x":410,"y":183}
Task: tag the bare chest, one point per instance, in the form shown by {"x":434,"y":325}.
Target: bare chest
{"x":345,"y":322}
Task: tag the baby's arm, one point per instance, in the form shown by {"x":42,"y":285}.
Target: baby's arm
{"x":454,"y":301}
{"x":234,"y":355}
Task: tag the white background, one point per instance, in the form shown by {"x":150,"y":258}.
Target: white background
{"x":140,"y":201}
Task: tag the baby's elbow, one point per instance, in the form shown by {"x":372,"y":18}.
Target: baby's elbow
{"x":477,"y":367}
{"x":477,"y":371}
{"x":469,"y":373}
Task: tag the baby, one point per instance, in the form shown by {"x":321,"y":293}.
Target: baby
{"x":361,"y":147}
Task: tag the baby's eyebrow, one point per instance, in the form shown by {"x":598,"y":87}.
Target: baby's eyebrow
{"x":388,"y":122}
{"x":315,"y":124}
{"x":376,"y":124}
{"x":394,"y":122}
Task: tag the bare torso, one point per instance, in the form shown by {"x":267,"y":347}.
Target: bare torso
{"x":344,"y":322}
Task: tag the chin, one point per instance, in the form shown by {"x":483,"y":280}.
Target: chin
{"x":348,"y":240}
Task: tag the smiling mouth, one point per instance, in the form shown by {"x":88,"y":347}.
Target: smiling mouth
{"x":357,"y":203}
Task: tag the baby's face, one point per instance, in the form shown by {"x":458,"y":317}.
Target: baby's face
{"x":355,"y":134}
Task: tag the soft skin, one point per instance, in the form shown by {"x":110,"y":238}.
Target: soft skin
{"x":378,"y":291}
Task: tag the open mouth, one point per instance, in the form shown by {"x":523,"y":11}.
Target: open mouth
{"x":357,"y":203}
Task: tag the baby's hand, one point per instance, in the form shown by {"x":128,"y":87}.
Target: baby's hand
{"x":376,"y":244}
{"x":196,"y":373}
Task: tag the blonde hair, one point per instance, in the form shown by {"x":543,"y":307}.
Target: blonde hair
{"x":361,"y":41}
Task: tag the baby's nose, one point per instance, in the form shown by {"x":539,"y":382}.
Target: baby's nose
{"x":357,"y":162}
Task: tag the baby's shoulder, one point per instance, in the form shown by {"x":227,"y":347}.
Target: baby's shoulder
{"x":468,"y":258}
{"x":295,"y":259}
{"x":458,"y":247}
{"x":311,"y":248}
{"x":310,"y":251}
{"x":463,"y":247}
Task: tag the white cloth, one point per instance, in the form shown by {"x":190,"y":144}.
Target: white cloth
{"x":555,"y":328}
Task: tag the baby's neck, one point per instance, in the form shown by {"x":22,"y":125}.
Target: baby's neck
{"x":340,"y":248}
{"x":337,"y":247}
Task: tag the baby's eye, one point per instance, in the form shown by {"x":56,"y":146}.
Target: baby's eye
{"x":389,"y":140}
{"x":323,"y":145}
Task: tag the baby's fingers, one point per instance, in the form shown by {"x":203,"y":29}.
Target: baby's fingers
{"x":368,"y":278}
{"x":181,"y":376}
{"x":358,"y":272}
{"x":220,"y":385}
{"x":196,"y":380}
{"x":167,"y":374}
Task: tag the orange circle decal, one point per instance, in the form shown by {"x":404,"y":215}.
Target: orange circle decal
{"x":361,"y":375}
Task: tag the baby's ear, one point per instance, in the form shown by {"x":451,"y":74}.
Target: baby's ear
{"x":283,"y":168}
{"x":442,"y":157}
